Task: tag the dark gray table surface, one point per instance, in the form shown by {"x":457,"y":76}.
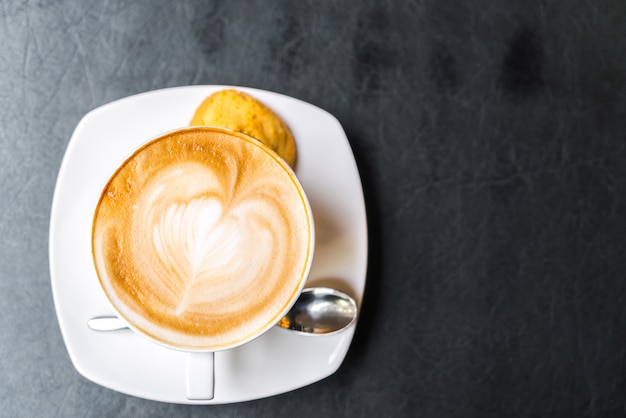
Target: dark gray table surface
{"x":491,"y":141}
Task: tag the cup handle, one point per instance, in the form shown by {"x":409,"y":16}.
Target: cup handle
{"x":200,"y":376}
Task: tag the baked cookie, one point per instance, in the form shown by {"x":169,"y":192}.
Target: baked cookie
{"x":241,"y":112}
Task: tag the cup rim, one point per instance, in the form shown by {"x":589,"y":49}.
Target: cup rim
{"x":310,"y":248}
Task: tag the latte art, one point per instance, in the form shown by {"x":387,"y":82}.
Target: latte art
{"x":192,"y":244}
{"x":202,"y":238}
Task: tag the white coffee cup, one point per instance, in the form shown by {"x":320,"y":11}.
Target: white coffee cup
{"x":202,"y":241}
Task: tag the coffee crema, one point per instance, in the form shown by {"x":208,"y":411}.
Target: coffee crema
{"x":202,"y":238}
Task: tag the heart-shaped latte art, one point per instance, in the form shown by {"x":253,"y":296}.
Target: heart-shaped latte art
{"x":193,"y":241}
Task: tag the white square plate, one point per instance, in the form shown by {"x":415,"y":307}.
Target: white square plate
{"x":276,"y":362}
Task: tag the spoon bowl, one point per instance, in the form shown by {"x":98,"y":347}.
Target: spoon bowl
{"x":318,"y":311}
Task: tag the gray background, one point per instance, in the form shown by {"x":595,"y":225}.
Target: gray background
{"x":491,"y":140}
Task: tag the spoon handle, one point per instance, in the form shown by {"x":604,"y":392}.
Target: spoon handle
{"x":106,"y":323}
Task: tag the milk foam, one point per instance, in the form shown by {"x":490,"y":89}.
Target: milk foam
{"x":200,"y":241}
{"x":191,"y":240}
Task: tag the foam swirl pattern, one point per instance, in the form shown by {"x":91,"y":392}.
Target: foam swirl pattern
{"x":201,"y":239}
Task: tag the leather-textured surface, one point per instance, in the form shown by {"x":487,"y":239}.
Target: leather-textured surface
{"x":491,"y":142}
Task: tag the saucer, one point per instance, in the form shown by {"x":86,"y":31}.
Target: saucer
{"x":276,"y":362}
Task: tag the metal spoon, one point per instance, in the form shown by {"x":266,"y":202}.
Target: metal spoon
{"x":318,"y":311}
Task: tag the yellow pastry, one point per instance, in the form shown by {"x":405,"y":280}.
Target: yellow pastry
{"x":241,"y":112}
